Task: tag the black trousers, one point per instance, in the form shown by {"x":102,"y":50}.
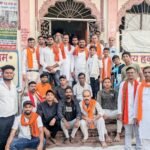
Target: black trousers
{"x":94,"y":86}
{"x":53,"y":129}
{"x":5,"y":129}
{"x":54,"y":77}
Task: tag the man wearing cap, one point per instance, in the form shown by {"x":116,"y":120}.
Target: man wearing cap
{"x":30,"y":127}
{"x":8,"y":103}
{"x":43,"y":86}
{"x":92,"y":117}
{"x":60,"y":90}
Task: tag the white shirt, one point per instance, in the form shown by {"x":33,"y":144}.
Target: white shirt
{"x":25,"y":131}
{"x":144,"y":125}
{"x":78,"y":90}
{"x":8,"y":100}
{"x":67,"y":65}
{"x":113,"y":51}
{"x":25,"y":62}
{"x":80,"y":63}
{"x":47,"y":58}
{"x":130,"y":101}
{"x":94,"y":65}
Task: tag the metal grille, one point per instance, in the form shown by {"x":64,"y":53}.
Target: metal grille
{"x":69,"y":9}
{"x":137,"y":18}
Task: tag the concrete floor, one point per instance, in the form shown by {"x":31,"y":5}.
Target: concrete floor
{"x":87,"y":148}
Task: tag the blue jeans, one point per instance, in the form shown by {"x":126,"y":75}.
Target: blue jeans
{"x":22,"y":143}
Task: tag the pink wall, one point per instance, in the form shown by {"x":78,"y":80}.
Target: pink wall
{"x":24,"y":21}
{"x":112,"y":17}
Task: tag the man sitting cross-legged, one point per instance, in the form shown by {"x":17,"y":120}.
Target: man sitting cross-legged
{"x":48,"y":112}
{"x":30,"y":127}
{"x":92,"y":116}
{"x":107,"y":98}
{"x":69,"y":112}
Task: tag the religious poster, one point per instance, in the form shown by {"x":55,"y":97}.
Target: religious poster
{"x":8,"y":24}
{"x":10,"y":58}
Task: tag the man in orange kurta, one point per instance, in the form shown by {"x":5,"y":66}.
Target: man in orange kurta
{"x":43,"y":86}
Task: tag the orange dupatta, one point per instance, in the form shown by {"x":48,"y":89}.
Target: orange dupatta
{"x":108,"y":66}
{"x":89,"y":110}
{"x":140,"y":100}
{"x":79,"y":50}
{"x":32,"y":123}
{"x":63,"y":50}
{"x":125,"y":96}
{"x":30,"y":57}
{"x":56,"y":52}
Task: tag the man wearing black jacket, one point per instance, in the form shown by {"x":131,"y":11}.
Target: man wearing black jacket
{"x":70,"y":114}
{"x":48,"y":112}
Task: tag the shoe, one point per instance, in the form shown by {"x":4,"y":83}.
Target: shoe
{"x":53,"y":140}
{"x":66,"y":141}
{"x":72,"y":140}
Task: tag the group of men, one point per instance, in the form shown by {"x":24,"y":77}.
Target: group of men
{"x":71,"y":87}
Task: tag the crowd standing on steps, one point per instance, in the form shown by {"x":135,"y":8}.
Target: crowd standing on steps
{"x":71,"y":87}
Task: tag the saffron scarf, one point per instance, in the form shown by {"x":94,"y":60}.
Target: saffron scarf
{"x":99,"y":49}
{"x":79,"y":50}
{"x":140,"y":100}
{"x":62,"y":48}
{"x":32,"y":123}
{"x":125,"y":100}
{"x":109,"y":68}
{"x":89,"y":110}
{"x":30,"y":57}
{"x":56,"y":52}
{"x":31,"y":98}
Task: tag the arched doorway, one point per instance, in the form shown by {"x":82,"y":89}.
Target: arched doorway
{"x":70,"y":16}
{"x":134,"y":27}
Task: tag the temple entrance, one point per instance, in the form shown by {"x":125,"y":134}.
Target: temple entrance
{"x":77,"y":28}
{"x":69,"y":17}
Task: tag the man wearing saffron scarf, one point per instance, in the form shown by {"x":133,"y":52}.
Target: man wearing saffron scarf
{"x":80,"y":58}
{"x":67,"y":55}
{"x":142,"y":109}
{"x":30,"y":127}
{"x":99,"y":46}
{"x":32,"y":95}
{"x":126,"y":98}
{"x":92,"y":117}
{"x":51,"y":60}
{"x":30,"y":62}
{"x":107,"y":64}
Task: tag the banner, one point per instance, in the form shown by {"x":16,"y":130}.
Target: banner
{"x":8,"y":24}
{"x":136,"y":41}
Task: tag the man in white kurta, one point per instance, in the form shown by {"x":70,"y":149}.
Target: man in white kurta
{"x":81,"y":86}
{"x":67,"y":55}
{"x":51,"y":59}
{"x":143,"y":99}
{"x":126,"y":108}
{"x":80,"y":59}
{"x":92,"y":116}
{"x":30,"y":73}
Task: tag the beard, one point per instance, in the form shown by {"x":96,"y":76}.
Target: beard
{"x":68,"y":97}
{"x":27,"y":113}
{"x":7,"y":79}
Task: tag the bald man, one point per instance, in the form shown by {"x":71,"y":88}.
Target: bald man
{"x":92,"y":117}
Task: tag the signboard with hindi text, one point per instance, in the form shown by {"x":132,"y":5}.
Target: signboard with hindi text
{"x":10,"y":58}
{"x":8,"y":24}
{"x":143,"y":59}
